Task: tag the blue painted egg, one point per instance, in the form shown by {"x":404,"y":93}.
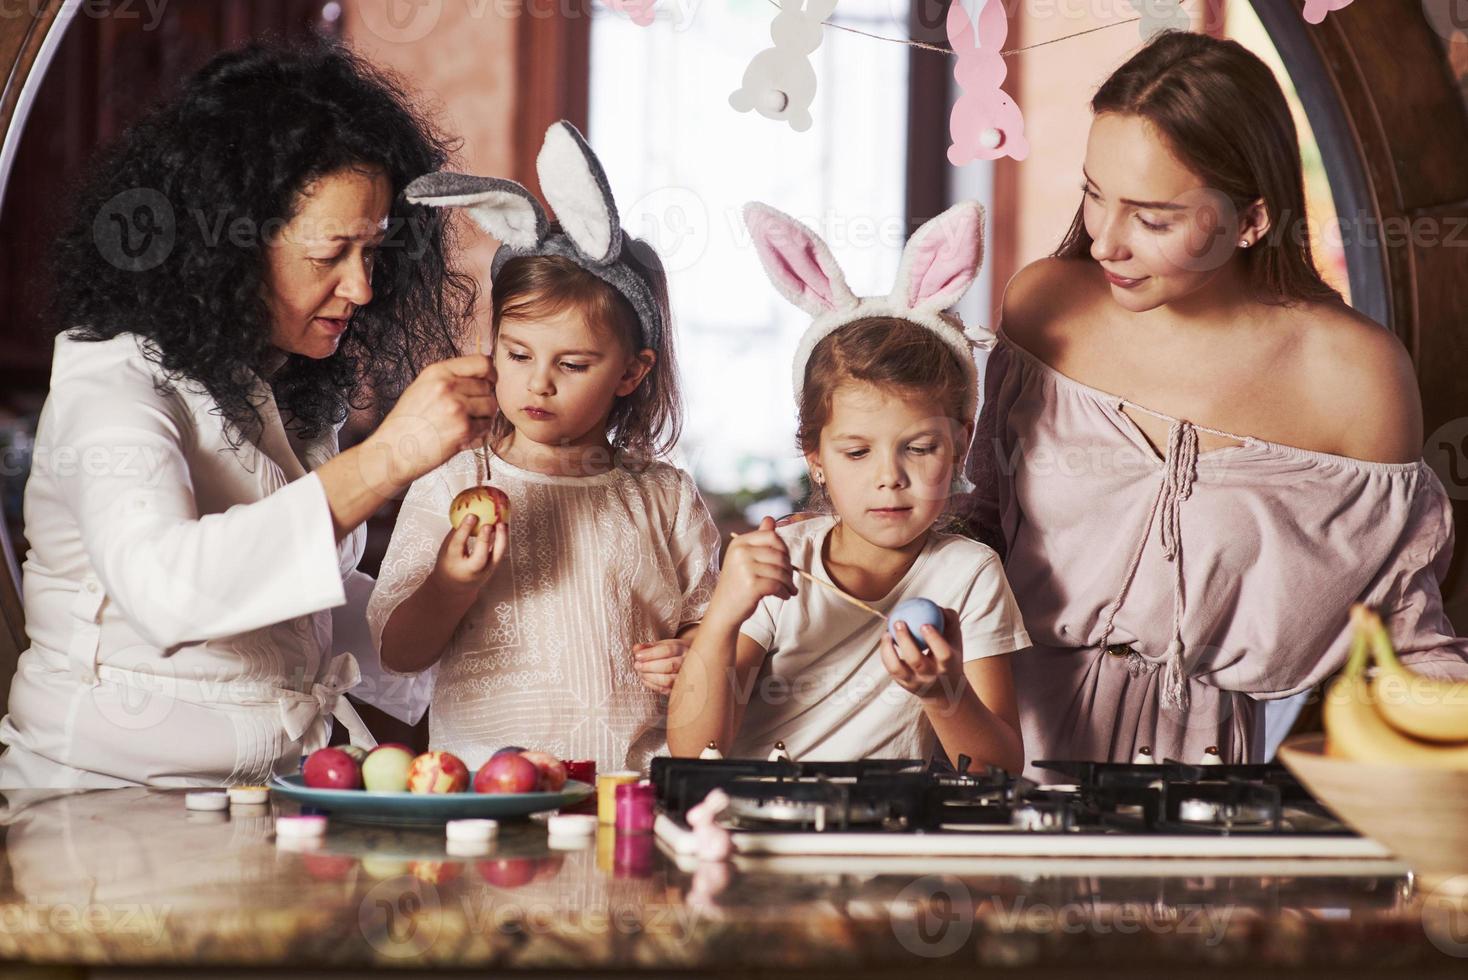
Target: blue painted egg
{"x":916,"y":613}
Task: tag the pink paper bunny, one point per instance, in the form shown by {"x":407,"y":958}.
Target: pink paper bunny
{"x":640,"y":11}
{"x":711,"y":842}
{"x":1315,"y":10}
{"x":986,"y":124}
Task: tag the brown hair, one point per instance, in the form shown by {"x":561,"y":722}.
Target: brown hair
{"x":647,"y":422}
{"x":888,"y":352}
{"x":1224,"y":116}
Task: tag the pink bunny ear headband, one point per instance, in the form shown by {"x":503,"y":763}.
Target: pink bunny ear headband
{"x":939,"y":264}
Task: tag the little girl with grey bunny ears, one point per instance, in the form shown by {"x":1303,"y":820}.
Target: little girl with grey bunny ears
{"x":562,"y":630}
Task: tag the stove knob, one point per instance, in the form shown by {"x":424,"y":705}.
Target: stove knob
{"x":1211,"y":756}
{"x":711,"y":752}
{"x":1143,"y":757}
{"x":778,"y":753}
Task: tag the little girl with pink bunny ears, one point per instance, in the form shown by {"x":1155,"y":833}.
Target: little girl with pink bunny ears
{"x":886,"y":392}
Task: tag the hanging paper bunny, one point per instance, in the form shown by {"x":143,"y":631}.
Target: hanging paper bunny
{"x":640,"y":11}
{"x":1160,"y":15}
{"x":1315,"y":10}
{"x":986,"y":124}
{"x":938,"y":265}
{"x":780,"y":82}
{"x":575,"y":185}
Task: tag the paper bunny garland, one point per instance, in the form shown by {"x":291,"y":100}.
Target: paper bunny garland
{"x":1315,"y":10}
{"x":1157,"y":16}
{"x":780,"y":82}
{"x":640,"y":11}
{"x":938,"y":265}
{"x":576,"y":188}
{"x":985,"y":124}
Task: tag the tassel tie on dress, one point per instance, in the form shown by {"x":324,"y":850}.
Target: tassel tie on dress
{"x":1179,"y":469}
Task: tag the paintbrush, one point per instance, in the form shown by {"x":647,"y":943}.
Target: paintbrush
{"x":827,"y":585}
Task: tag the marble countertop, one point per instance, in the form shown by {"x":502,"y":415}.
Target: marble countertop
{"x":130,"y":877}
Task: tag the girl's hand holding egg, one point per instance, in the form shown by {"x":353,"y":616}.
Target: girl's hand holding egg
{"x":470,"y":554}
{"x":936,"y":674}
{"x":915,"y":613}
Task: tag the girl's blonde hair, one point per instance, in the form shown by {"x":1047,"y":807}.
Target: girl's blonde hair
{"x":646,"y":423}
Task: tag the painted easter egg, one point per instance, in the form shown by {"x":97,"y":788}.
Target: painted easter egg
{"x":489,"y":504}
{"x":916,"y":613}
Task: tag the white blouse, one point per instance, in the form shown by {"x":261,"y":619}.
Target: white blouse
{"x":178,"y":592}
{"x":543,"y":658}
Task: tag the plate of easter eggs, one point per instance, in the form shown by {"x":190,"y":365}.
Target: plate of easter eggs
{"x":392,"y":785}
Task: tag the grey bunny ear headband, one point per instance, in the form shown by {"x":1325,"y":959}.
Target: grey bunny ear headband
{"x":576,"y":188}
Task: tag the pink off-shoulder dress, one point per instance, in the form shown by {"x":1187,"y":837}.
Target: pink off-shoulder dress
{"x":1167,"y":594}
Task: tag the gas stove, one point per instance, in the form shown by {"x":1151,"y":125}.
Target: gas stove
{"x":1110,"y":815}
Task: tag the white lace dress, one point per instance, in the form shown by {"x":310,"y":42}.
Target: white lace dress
{"x":543,"y":658}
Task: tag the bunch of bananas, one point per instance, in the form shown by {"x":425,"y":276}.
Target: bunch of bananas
{"x":1396,"y":716}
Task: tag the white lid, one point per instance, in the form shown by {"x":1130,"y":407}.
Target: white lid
{"x":212,"y":800}
{"x":471,"y":830}
{"x":571,"y":824}
{"x":242,"y":795}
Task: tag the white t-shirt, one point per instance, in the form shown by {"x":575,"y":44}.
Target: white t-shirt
{"x":822,"y":689}
{"x":543,"y":658}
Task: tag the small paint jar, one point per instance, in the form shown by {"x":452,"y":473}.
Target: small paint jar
{"x":606,"y":793}
{"x":582,"y":771}
{"x":635,"y":808}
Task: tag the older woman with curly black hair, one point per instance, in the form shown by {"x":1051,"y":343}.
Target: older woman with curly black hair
{"x":239,"y":270}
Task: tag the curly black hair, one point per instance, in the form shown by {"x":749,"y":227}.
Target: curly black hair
{"x":242,"y":139}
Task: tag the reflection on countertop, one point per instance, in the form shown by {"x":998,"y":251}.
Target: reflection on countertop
{"x":130,"y":877}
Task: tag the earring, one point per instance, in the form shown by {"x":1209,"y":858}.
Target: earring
{"x":1244,"y":243}
{"x":820,"y":479}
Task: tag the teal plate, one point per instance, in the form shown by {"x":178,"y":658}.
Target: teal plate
{"x":425,"y":809}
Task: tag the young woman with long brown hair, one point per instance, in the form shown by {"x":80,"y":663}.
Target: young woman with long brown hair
{"x":1196,"y":454}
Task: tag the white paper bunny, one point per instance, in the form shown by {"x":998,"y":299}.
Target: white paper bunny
{"x":780,"y":82}
{"x":1160,"y":15}
{"x":938,"y":265}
